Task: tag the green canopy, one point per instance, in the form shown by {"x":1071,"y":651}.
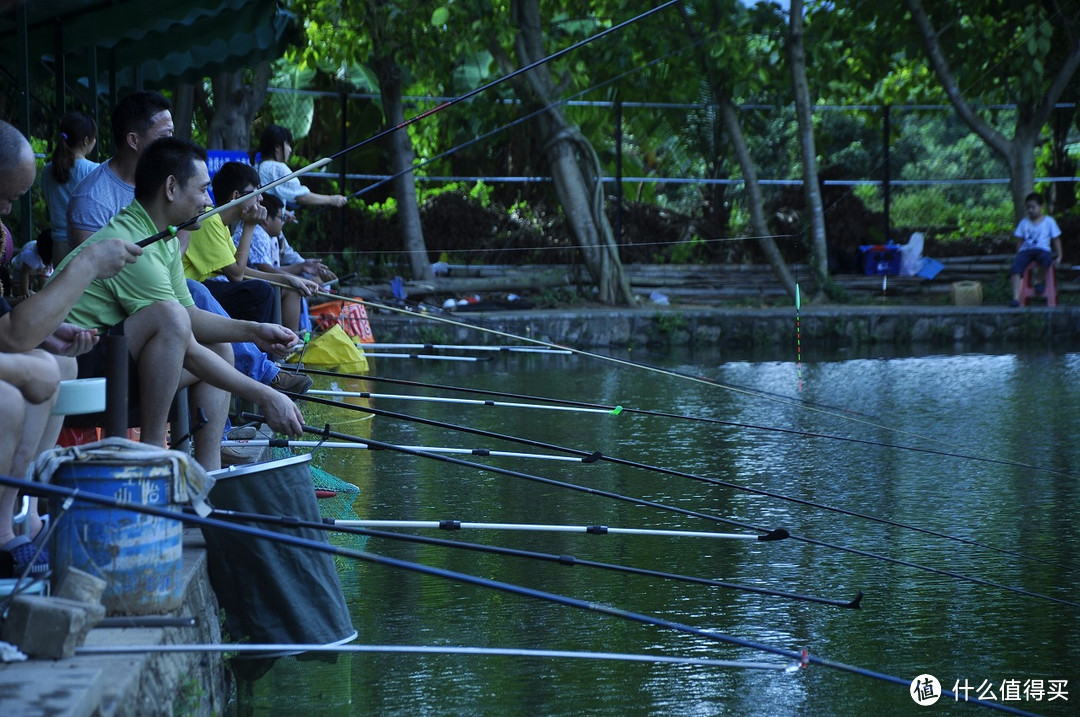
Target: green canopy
{"x":145,"y":43}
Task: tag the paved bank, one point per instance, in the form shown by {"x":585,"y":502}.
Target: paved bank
{"x":970,"y":327}
{"x":130,"y":685}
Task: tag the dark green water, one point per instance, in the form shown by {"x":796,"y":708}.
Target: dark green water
{"x":1010,"y":408}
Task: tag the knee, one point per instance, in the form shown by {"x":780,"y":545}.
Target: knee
{"x":167,"y":317}
{"x":225,"y":351}
{"x":262,"y":292}
{"x":69,"y":367}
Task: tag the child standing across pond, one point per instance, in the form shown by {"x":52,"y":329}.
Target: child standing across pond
{"x":1040,"y":242}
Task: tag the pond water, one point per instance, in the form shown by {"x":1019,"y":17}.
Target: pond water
{"x":986,"y":598}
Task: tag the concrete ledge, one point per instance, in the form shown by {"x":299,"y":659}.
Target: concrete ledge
{"x":131,"y":685}
{"x":968,"y":326}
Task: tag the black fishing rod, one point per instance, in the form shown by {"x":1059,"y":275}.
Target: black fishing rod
{"x":436,"y":315}
{"x":802,"y":657}
{"x":172,"y":230}
{"x":598,"y":456}
{"x":567,"y":560}
{"x":615,"y":410}
{"x":326,"y":432}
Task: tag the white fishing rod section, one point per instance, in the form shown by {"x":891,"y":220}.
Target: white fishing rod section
{"x":453,"y":525}
{"x":361,"y":446}
{"x":458,"y":401}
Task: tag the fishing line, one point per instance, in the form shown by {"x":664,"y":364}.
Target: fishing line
{"x":803,"y":657}
{"x":685,"y":511}
{"x":893,"y":152}
{"x":596,"y":455}
{"x":566,"y":560}
{"x":172,"y":230}
{"x":526,"y":117}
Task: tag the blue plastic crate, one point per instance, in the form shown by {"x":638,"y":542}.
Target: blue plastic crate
{"x":881,"y":258}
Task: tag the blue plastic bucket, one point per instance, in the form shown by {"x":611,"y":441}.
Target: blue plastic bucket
{"x":140,"y":556}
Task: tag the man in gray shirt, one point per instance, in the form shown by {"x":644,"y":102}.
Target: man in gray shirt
{"x":138,"y":120}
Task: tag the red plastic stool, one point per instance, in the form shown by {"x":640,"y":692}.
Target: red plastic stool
{"x":1027,"y":290}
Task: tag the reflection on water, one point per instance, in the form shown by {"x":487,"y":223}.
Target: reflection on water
{"x":981,"y":448}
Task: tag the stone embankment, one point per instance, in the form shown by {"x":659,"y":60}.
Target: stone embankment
{"x":131,"y":685}
{"x":742,"y":306}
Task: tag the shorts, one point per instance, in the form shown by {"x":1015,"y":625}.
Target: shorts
{"x":1026,"y":256}
{"x":93,"y":364}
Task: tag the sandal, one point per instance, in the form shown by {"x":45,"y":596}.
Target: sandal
{"x":39,"y":539}
{"x":26,"y":554}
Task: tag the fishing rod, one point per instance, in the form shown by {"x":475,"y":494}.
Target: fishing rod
{"x":801,"y":656}
{"x":584,"y":407}
{"x":172,"y":230}
{"x":517,"y":474}
{"x":679,"y":474}
{"x":639,"y":365}
{"x":363,"y":446}
{"x":348,"y":527}
{"x":457,"y":401}
{"x":598,"y":407}
{"x":454,"y":347}
{"x":249,"y":648}
{"x":429,"y":357}
{"x":455,"y":525}
{"x":810,"y":541}
{"x":685,"y":511}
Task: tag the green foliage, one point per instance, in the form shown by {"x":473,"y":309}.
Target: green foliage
{"x":559,"y":297}
{"x":189,"y":698}
{"x":293,"y":111}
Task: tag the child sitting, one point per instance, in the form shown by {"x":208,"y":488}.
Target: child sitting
{"x":1037,"y":232}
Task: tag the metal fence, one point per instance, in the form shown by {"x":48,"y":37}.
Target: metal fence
{"x":910,"y":166}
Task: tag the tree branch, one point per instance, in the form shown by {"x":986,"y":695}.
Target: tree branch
{"x":991,"y":136}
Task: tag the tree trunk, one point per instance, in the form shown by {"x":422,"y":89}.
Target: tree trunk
{"x":753,"y":192}
{"x":401,"y":159}
{"x":1031,"y":116}
{"x":575,"y":167}
{"x":819,"y":262}
{"x":183,"y":110}
{"x":235,"y":103}
{"x":730,"y":118}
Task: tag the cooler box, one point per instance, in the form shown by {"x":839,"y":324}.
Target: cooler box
{"x":881,"y":258}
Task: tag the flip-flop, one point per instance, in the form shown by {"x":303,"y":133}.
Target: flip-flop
{"x":24,"y":553}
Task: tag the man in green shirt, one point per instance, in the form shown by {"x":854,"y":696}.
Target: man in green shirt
{"x":172,"y":342}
